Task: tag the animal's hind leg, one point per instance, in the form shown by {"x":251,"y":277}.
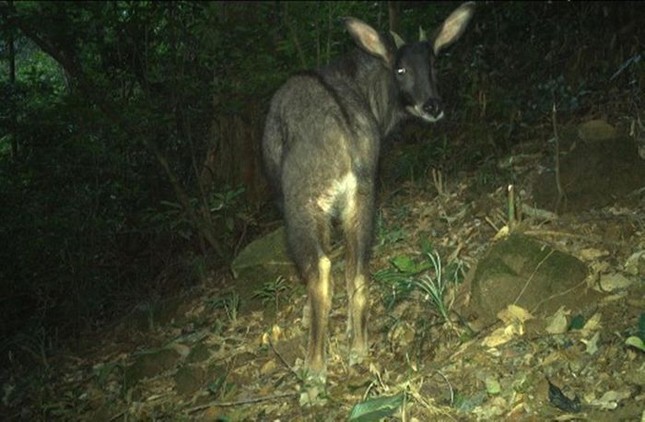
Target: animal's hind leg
{"x":308,"y":237}
{"x":357,"y":225}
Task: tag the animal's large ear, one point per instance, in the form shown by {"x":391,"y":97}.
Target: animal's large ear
{"x":368,"y":39}
{"x":453,"y":26}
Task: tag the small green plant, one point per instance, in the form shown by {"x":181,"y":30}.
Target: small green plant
{"x":230,"y":303}
{"x":397,"y":281}
{"x":425,"y":274}
{"x":390,"y":234}
{"x":637,"y":340}
{"x":396,"y":286}
{"x":149,"y":309}
{"x":377,"y":408}
{"x":224,"y":206}
{"x":218,"y":387}
{"x":434,"y":287}
{"x":37,"y":344}
{"x":391,"y":237}
{"x":456,"y":271}
{"x":272,"y":291}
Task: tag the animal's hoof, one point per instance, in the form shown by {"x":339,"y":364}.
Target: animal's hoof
{"x":356,"y":357}
{"x":314,"y":392}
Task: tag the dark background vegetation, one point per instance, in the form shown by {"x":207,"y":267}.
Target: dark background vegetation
{"x":130,"y":130}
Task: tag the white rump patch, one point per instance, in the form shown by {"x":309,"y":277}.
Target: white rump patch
{"x":342,"y":191}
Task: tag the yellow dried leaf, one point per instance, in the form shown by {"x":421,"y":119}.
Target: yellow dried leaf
{"x":614,"y":281}
{"x":264,"y":340}
{"x":513,"y":313}
{"x":592,"y":343}
{"x":497,"y":337}
{"x":276,"y":333}
{"x":502,"y":233}
{"x":589,"y":254}
{"x":593,"y":324}
{"x":558,"y":322}
{"x":268,"y":367}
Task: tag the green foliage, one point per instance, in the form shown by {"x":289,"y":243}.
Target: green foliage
{"x":395,"y":285}
{"x":219,"y":387}
{"x":567,"y":98}
{"x":637,"y":341}
{"x":96,"y":84}
{"x":224,"y":205}
{"x":434,"y":288}
{"x":414,"y":161}
{"x":392,"y":236}
{"x":577,"y":322}
{"x":272,"y":291}
{"x":172,"y":218}
{"x":398,"y":281}
{"x":229,"y":302}
{"x":424,"y":274}
{"x":376,"y":408}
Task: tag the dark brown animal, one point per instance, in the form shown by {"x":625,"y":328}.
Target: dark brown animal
{"x":321,"y":146}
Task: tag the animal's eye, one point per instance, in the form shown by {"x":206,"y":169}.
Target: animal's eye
{"x":401,"y":71}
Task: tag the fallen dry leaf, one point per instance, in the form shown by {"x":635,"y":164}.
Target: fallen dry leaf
{"x":513,"y":313}
{"x":592,"y":343}
{"x":558,"y":322}
{"x":614,"y":281}
{"x":593,"y":324}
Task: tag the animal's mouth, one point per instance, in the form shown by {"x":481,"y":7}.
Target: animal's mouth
{"x":417,"y":111}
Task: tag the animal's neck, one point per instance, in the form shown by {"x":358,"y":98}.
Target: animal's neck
{"x":377,"y":86}
{"x":366,"y":79}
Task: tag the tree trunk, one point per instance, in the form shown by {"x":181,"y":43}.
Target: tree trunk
{"x":12,"y":84}
{"x":394,"y":12}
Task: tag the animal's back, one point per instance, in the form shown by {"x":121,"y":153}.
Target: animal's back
{"x":317,"y":131}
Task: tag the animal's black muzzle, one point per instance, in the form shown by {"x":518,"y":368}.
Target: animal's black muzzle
{"x":433,"y":107}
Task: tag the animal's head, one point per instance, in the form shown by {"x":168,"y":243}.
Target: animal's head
{"x":413,"y":65}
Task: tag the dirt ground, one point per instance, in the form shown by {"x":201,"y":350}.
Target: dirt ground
{"x":232,"y":349}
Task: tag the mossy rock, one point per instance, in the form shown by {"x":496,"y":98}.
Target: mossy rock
{"x":533,"y":275}
{"x":150,"y":364}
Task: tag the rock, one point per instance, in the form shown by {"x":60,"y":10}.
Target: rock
{"x":264,"y":259}
{"x":199,"y":353}
{"x":189,"y":379}
{"x":150,"y":364}
{"x":596,"y":131}
{"x":595,"y":174}
{"x":529,"y":274}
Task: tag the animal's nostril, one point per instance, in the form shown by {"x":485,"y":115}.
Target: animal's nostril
{"x":433,"y":106}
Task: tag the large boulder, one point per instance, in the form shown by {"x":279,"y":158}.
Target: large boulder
{"x":522,"y":271}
